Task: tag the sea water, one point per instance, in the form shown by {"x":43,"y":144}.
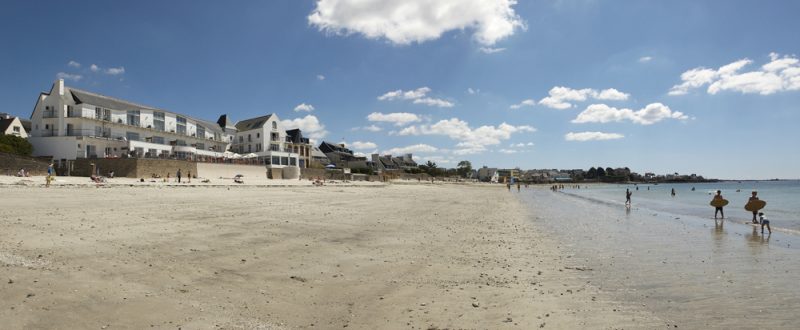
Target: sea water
{"x":692,"y":199}
{"x":689,"y":270}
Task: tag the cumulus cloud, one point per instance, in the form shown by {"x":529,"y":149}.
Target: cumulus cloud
{"x":781,"y":74}
{"x":651,"y":114}
{"x":304,"y":107}
{"x":409,"y":21}
{"x":397,"y":118}
{"x":560,"y":97}
{"x":370,"y":128}
{"x":507,"y":151}
{"x":416,"y":148}
{"x":645,"y":59}
{"x":417,"y":96}
{"x":470,"y":140}
{"x":360,"y":145}
{"x":592,"y":136}
{"x":74,"y":64}
{"x":310,"y":125}
{"x":115,"y":71}
{"x":320,"y":77}
{"x":524,"y":103}
{"x":69,"y":76}
{"x":94,"y":68}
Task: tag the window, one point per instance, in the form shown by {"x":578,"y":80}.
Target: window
{"x":132,"y":136}
{"x":276,"y":160}
{"x":106,"y":114}
{"x":284,"y":160}
{"x":274,"y":125}
{"x":258,"y":135}
{"x":258,"y":147}
{"x":275,"y":137}
{"x":98,"y":113}
{"x":180,"y":142}
{"x":181,"y":125}
{"x":201,"y":132}
{"x":293,"y":161}
{"x":249,"y":148}
{"x":158,"y":121}
{"x":200,"y":146}
{"x":16,"y":129}
{"x":274,"y":147}
{"x":241,"y":139}
{"x":249,"y":138}
{"x":133,"y":117}
{"x":158,"y":139}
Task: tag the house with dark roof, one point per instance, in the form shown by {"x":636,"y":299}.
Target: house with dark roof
{"x":342,"y":157}
{"x":10,"y":125}
{"x":69,"y":123}
{"x":265,"y":139}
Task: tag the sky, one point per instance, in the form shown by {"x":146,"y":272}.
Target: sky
{"x":705,"y":87}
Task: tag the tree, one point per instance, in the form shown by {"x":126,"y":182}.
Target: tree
{"x":464,"y":168}
{"x":609,"y":171}
{"x":592,"y":173}
{"x":601,"y":172}
{"x":15,"y":145}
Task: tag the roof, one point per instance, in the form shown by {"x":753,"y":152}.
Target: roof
{"x":5,"y":123}
{"x":252,"y":123}
{"x":104,"y":101}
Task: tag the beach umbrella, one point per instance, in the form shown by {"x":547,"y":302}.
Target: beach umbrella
{"x":330,"y":166}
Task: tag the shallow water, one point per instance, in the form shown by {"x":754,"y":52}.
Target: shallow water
{"x":782,"y":197}
{"x":691,"y":271}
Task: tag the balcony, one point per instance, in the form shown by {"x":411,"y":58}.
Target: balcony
{"x":49,"y":114}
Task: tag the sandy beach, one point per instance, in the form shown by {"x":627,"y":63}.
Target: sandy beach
{"x":380,"y":257}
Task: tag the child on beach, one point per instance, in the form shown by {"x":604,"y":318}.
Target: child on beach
{"x":764,"y":222}
{"x":628,"y":194}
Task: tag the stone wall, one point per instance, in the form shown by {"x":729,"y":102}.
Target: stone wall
{"x":133,"y":167}
{"x":10,"y":164}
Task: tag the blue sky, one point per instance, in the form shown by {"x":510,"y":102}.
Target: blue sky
{"x":707,"y":87}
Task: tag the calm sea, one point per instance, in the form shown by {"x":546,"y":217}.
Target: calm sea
{"x":782,"y":197}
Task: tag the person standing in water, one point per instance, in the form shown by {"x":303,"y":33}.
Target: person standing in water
{"x":628,"y":194}
{"x":718,"y":209}
{"x":673,"y":192}
{"x":754,"y":198}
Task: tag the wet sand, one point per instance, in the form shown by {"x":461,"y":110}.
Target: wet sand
{"x":689,"y":271}
{"x":384,"y":257}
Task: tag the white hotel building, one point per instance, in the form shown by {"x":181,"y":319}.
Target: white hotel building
{"x":69,"y":123}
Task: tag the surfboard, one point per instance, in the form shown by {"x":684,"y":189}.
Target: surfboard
{"x":755,"y":205}
{"x":718,"y":202}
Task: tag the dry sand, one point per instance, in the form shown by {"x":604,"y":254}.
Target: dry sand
{"x":382,"y":257}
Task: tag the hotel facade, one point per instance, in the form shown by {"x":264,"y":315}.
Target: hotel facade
{"x":69,"y":123}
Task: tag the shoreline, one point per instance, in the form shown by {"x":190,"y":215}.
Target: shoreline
{"x":406,"y":256}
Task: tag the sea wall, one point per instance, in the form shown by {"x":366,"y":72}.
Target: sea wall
{"x":11,"y":163}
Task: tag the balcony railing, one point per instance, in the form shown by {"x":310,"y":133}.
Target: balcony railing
{"x":49,"y":114}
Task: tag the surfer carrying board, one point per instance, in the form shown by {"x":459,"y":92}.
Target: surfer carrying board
{"x":717,"y":202}
{"x":754,"y":204}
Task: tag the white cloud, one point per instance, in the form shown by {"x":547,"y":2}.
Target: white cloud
{"x":490,"y":50}
{"x":525,"y":103}
{"x":370,"y":128}
{"x":69,"y":76}
{"x":409,"y":21}
{"x":310,"y":125}
{"x":645,"y":59}
{"x":473,"y":91}
{"x":398,"y":118}
{"x":94,"y":68}
{"x":651,"y":114}
{"x":416,"y":148}
{"x":115,"y":71}
{"x":470,"y":140}
{"x":418,"y":96}
{"x":592,"y":136}
{"x":508,"y":151}
{"x":304,"y":107}
{"x":779,"y":75}
{"x":560,"y":96}
{"x":363,"y":145}
{"x":74,"y":64}
{"x":320,"y":77}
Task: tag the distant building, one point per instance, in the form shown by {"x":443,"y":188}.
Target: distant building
{"x":487,"y":174}
{"x":342,"y":157}
{"x":387,"y":163}
{"x":507,"y":175}
{"x":299,"y":145}
{"x":265,"y":139}
{"x":10,"y":125}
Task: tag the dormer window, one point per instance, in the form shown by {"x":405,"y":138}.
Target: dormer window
{"x":274,"y":125}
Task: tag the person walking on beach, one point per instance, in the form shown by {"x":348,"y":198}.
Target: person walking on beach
{"x":189,"y":176}
{"x":718,"y":209}
{"x":178,"y":175}
{"x":628,"y":194}
{"x":764,"y":222}
{"x":754,"y":197}
{"x":50,"y":172}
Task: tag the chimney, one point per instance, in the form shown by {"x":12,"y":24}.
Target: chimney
{"x":60,"y":86}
